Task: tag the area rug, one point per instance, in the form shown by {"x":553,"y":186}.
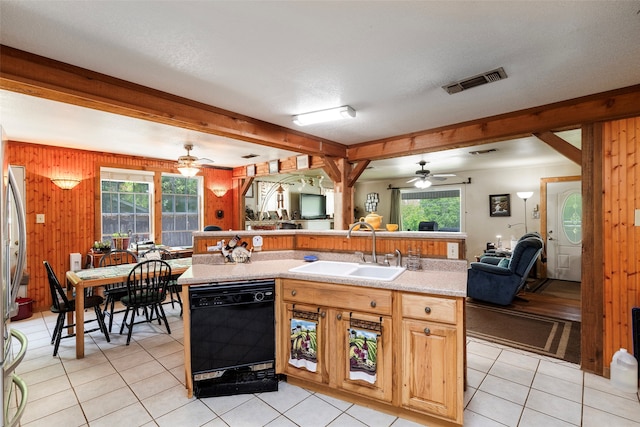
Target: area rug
{"x":543,"y":335}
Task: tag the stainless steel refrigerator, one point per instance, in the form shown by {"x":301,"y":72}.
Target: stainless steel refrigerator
{"x":13,"y":256}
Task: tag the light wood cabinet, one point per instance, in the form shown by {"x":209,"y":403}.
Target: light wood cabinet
{"x":418,"y":340}
{"x":432,"y":368}
{"x":330,"y":315}
{"x":349,"y":351}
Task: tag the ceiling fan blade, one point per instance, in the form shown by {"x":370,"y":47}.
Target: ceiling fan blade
{"x":437,"y":178}
{"x":443,"y":174}
{"x":204,"y":160}
{"x":413,"y":179}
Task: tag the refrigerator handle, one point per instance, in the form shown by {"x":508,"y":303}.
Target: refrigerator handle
{"x":22,"y":339}
{"x":22,"y":241}
{"x":19,"y":382}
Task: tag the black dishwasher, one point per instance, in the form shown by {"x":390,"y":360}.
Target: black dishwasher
{"x":233,"y":338}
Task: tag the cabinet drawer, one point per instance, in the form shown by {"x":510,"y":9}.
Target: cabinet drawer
{"x":360,"y":298}
{"x":423,"y":307}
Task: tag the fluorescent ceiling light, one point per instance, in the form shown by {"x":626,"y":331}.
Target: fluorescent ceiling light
{"x":339,"y":113}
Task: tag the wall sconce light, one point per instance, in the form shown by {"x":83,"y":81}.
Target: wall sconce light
{"x":65,"y":183}
{"x":338,"y":113}
{"x":219,"y":192}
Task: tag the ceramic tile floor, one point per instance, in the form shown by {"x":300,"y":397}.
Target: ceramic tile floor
{"x":143,"y":385}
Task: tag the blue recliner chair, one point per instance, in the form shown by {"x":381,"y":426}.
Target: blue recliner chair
{"x":499,"y":284}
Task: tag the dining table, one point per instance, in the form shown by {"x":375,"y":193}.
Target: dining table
{"x":81,"y":280}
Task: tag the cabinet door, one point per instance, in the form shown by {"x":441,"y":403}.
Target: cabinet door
{"x":305,"y":350}
{"x":429,"y":381}
{"x":363,"y":351}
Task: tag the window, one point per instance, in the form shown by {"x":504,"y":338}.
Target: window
{"x":442,"y":206}
{"x":180,"y":209}
{"x":572,"y":218}
{"x":126,"y":203}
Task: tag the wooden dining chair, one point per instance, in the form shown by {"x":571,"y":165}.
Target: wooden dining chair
{"x":174,"y":288}
{"x":61,"y":305}
{"x":146,"y":289}
{"x":115,"y":291}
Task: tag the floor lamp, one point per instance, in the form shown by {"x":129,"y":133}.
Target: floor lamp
{"x":524,"y":195}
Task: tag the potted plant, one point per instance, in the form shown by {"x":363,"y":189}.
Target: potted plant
{"x":101,"y":246}
{"x":121,"y":240}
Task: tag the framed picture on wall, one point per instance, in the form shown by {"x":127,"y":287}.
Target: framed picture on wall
{"x":500,"y":205}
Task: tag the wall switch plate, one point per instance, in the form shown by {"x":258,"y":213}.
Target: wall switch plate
{"x":452,"y":250}
{"x":637,"y":218}
{"x":39,"y":218}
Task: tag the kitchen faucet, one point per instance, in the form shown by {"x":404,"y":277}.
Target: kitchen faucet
{"x":374,"y":259}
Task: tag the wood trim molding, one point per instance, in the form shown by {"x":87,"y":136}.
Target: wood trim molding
{"x":35,"y":75}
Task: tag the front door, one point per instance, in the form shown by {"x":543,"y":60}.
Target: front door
{"x":564,"y":230}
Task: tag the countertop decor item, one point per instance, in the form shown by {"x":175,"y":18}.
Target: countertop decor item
{"x":374,"y":219}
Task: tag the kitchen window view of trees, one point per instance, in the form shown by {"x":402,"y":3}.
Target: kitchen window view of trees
{"x":125,"y":208}
{"x":441,"y":206}
{"x":180,"y":209}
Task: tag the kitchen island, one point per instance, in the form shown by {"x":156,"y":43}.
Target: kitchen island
{"x":416,"y":321}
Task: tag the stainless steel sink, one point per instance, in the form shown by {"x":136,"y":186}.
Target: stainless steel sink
{"x":349,"y":269}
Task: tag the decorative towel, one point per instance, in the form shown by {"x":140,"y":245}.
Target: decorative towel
{"x":304,"y":345}
{"x":363,"y":355}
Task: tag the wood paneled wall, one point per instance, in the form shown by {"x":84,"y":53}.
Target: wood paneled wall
{"x":70,"y":215}
{"x":621,"y":251}
{"x":323,"y":242}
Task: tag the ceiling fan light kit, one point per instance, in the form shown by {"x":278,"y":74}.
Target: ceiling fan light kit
{"x":422,"y":181}
{"x":322,"y":116}
{"x":188,"y":165}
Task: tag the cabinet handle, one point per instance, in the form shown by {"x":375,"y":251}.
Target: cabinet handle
{"x":339,"y":316}
{"x":427,"y":331}
{"x":427,"y":310}
{"x":293,"y":292}
{"x":323,"y":314}
{"x":373,"y":304}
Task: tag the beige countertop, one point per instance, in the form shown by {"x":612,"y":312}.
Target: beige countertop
{"x":447,"y":278}
{"x":338,"y":233}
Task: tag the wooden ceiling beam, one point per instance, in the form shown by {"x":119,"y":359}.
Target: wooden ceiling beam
{"x":611,"y":105}
{"x":35,"y":75}
{"x":561,"y":146}
{"x":356,"y":171}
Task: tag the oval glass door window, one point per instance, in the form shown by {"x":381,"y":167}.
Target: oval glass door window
{"x":572,"y":218}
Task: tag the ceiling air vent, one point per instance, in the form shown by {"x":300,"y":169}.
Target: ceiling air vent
{"x":249,"y":156}
{"x":480,"y":79}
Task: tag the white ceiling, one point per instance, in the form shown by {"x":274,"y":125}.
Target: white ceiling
{"x":271,"y":60}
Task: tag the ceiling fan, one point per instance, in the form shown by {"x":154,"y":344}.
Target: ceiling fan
{"x":190,"y":165}
{"x":423,"y":180}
